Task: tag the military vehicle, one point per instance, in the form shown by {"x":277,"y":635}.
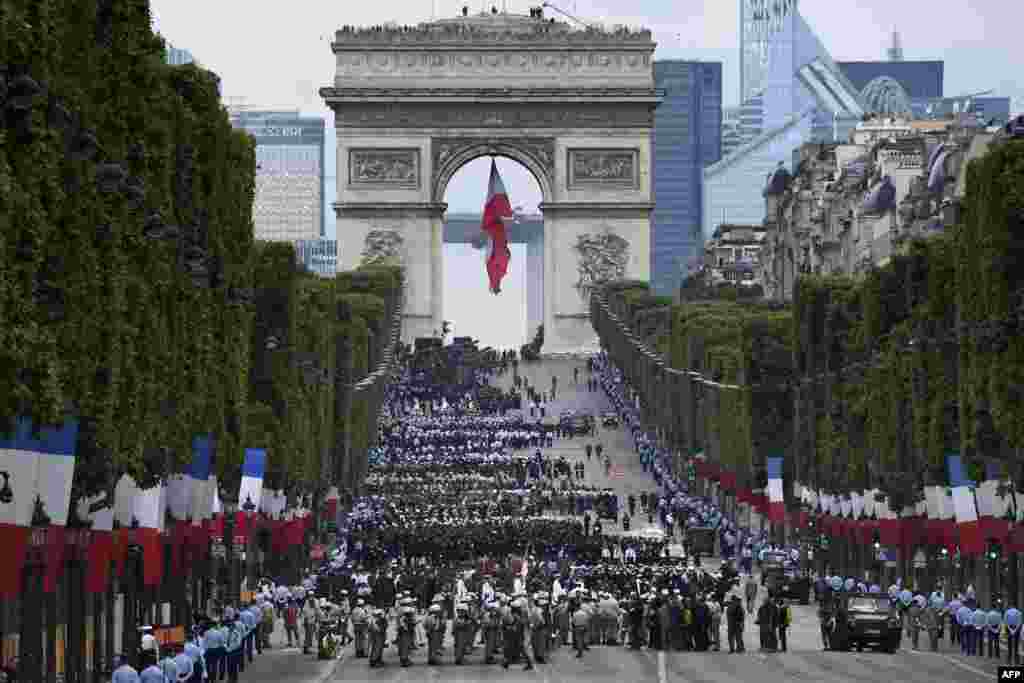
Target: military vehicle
{"x":784,"y":577}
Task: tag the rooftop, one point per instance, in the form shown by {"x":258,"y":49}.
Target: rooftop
{"x":488,"y":28}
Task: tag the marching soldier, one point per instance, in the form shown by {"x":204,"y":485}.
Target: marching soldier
{"x":538,"y":628}
{"x":406,"y":627}
{"x":580,"y":626}
{"x":360,"y":622}
{"x":462,"y":632}
{"x":378,"y":636}
{"x":563,"y":620}
{"x":434,"y":625}
{"x":492,"y":627}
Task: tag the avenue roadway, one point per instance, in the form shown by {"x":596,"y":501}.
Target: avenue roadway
{"x":805,"y":660}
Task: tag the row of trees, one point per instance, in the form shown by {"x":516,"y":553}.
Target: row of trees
{"x":132,"y":293}
{"x":134,"y":298}
{"x":862,"y":384}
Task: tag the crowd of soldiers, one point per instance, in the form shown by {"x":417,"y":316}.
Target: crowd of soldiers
{"x":468,"y":529}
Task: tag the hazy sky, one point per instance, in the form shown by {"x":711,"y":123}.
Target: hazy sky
{"x":278,"y":55}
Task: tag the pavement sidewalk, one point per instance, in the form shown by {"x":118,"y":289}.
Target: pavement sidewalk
{"x":282,"y":664}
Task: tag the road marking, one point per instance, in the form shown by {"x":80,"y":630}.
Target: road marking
{"x":662,"y":667}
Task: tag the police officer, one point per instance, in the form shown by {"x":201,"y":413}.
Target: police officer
{"x":214,"y":642}
{"x":964,"y":620}
{"x":360,"y":623}
{"x":125,"y":673}
{"x":151,"y":673}
{"x":195,"y":653}
{"x":1013,"y":620}
{"x":995,"y":627}
{"x":580,"y":627}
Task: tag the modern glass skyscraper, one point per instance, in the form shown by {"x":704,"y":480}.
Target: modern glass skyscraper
{"x":289,"y":174}
{"x":804,"y":97}
{"x":176,"y":56}
{"x":687,"y":137}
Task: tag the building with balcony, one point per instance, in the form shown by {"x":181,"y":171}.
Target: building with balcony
{"x":732,"y":256}
{"x":850,"y":207}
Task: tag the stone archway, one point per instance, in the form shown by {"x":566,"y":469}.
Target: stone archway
{"x":414,"y":104}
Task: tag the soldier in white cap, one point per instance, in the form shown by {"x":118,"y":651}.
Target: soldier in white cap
{"x":360,"y":623}
{"x":462,"y":631}
{"x":540,"y":631}
{"x":378,"y":636}
{"x":435,"y":626}
{"x":405,"y":622}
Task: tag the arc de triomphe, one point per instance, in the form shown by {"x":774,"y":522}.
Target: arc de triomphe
{"x":575,"y":107}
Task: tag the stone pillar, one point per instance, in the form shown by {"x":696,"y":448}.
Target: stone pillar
{"x":534,"y":283}
{"x":567,"y":325}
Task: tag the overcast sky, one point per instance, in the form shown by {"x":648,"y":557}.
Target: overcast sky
{"x":278,"y":55}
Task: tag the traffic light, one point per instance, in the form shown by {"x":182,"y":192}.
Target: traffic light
{"x":823,"y":541}
{"x":995,"y":550}
{"x":876,"y":539}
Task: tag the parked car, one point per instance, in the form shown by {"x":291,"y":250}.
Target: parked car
{"x":577,"y":424}
{"x":610,"y":420}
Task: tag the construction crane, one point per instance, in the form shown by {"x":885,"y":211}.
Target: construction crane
{"x":567,"y":15}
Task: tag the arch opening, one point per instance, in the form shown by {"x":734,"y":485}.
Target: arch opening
{"x":509,"y":319}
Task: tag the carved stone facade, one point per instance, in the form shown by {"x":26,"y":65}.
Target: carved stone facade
{"x":616,"y":167}
{"x":356,"y":114}
{"x":399,"y":167}
{"x":455,"y":64}
{"x":575,"y":107}
{"x":603,"y":257}
{"x":383,"y":248}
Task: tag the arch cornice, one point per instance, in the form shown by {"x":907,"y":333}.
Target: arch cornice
{"x":450,"y":154}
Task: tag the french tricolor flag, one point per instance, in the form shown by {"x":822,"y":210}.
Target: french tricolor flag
{"x":251,"y":490}
{"x":497,"y":210}
{"x":776,"y":498}
{"x":964,"y":507}
{"x":201,"y":486}
{"x":36,"y":470}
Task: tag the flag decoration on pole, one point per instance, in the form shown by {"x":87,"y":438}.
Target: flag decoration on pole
{"x":331,"y":504}
{"x":100,"y":551}
{"x":776,"y":499}
{"x":36,"y":469}
{"x":497,"y":210}
{"x":964,"y":507}
{"x":149,"y":508}
{"x":198,"y":475}
{"x":251,"y":489}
